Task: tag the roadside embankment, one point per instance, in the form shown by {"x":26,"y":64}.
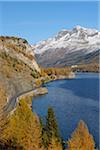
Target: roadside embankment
{"x":27,"y":96}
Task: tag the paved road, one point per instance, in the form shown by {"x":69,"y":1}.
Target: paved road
{"x":13,"y":101}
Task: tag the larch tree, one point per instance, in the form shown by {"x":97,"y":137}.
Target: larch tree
{"x":81,"y":138}
{"x":23,"y":128}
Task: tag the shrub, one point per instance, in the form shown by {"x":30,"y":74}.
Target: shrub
{"x":34,"y":74}
{"x":38,"y":82}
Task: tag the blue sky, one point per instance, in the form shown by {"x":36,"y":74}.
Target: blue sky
{"x":36,"y":21}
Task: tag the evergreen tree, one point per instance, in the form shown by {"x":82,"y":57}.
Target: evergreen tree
{"x":81,"y":139}
{"x":44,"y":136}
{"x":53,"y":136}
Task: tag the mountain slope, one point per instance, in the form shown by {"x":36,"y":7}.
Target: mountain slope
{"x":17,"y":62}
{"x":78,"y":46}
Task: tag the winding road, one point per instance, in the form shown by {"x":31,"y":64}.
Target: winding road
{"x":13,"y":100}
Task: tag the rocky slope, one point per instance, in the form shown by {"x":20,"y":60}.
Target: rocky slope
{"x":69,"y":47}
{"x":17,"y":62}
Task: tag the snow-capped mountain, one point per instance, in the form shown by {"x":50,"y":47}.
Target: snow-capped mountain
{"x":68,"y":47}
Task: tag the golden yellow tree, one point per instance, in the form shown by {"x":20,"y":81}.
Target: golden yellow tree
{"x":54,"y":144}
{"x":23,"y":128}
{"x":81,"y":138}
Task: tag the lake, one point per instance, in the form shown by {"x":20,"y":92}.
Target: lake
{"x":72,"y":100}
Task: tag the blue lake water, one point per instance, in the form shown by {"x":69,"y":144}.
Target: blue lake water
{"x":72,"y":100}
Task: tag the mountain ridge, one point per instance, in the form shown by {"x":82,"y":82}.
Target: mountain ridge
{"x":66,"y":43}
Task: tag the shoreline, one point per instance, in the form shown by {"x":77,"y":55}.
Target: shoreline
{"x":27,"y":95}
{"x":36,"y":91}
{"x":11,"y":104}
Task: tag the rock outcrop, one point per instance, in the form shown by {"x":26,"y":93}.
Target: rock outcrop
{"x":17,"y":61}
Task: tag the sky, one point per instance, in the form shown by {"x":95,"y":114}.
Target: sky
{"x":36,"y":21}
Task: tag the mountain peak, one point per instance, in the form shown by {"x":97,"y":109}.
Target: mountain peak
{"x":78,"y":27}
{"x":69,"y":47}
{"x":79,"y":38}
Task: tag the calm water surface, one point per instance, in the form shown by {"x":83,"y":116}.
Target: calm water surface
{"x":72,"y":100}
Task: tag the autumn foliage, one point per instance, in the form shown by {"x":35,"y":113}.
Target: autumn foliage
{"x":23,"y":130}
{"x":81,"y":138}
{"x":56,"y":71}
{"x":92,"y":67}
